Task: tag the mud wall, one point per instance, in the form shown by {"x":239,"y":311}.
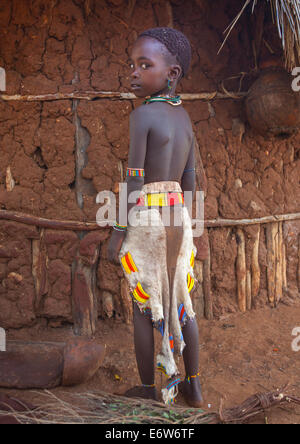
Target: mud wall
{"x":57,"y":155}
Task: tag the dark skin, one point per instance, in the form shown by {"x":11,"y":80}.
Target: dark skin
{"x":162,"y":143}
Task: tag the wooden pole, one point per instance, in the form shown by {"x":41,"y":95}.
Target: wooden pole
{"x":126,"y":301}
{"x":255,"y":268}
{"x":9,"y":180}
{"x":39,"y":269}
{"x":169,"y":12}
{"x":271,"y":233}
{"x":278,"y":283}
{"x":298,"y":277}
{"x":241,"y":271}
{"x":284,"y":268}
{"x":248,"y":290}
{"x":84,"y":296}
{"x":201,"y":178}
{"x":198,"y":296}
{"x":208,"y":306}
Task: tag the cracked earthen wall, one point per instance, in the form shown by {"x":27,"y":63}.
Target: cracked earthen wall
{"x":57,"y":155}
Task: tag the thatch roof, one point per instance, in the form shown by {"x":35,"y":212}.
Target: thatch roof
{"x":286,"y":16}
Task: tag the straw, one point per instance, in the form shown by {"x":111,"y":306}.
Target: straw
{"x":286,"y":16}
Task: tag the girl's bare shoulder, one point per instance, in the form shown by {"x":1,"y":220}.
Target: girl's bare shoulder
{"x":142,"y":110}
{"x":141,"y":116}
{"x":151,"y":115}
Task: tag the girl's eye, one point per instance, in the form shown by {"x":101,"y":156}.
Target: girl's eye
{"x":143,"y":65}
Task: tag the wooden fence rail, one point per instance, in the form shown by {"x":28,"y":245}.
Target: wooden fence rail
{"x":95,"y":95}
{"x":90,"y":226}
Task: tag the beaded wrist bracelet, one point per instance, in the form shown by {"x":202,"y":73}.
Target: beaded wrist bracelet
{"x":189,"y":170}
{"x":119,"y":227}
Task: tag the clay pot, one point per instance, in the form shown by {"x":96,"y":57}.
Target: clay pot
{"x":272,"y":107}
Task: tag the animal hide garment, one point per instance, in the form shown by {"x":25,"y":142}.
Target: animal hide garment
{"x":158,"y":259}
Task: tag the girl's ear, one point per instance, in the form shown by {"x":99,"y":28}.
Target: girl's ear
{"x":175,"y":72}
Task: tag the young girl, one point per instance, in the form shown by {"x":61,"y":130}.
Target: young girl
{"x":158,"y":258}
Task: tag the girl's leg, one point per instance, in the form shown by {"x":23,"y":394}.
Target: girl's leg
{"x":192,"y":390}
{"x":191,"y":385}
{"x":144,"y":350}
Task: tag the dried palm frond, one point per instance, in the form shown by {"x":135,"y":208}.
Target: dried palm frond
{"x":286,"y":16}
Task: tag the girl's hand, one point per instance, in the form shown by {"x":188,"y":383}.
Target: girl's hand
{"x":115,"y":245}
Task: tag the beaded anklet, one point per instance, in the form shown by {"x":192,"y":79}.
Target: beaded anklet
{"x":148,"y":385}
{"x":188,"y":378}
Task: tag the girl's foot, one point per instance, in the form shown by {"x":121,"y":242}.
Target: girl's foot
{"x":142,"y":392}
{"x":191,"y":390}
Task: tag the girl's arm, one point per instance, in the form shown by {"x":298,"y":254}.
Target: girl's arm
{"x":139,"y":129}
{"x":188,"y":180}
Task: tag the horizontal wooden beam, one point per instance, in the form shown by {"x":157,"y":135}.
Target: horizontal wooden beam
{"x":90,"y":226}
{"x":97,"y":95}
{"x":261,"y":220}
{"x":48,"y":223}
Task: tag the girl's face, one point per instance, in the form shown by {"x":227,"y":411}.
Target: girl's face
{"x":150,"y":70}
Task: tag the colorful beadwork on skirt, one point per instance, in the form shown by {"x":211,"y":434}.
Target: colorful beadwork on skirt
{"x":128,"y":263}
{"x":160,"y":200}
{"x":181,"y":314}
{"x":171,"y":343}
{"x":173,"y":383}
{"x":170,"y":392}
{"x":135,"y":172}
{"x":162,"y":368}
{"x":139,"y":294}
{"x":161,"y":327}
{"x":190,"y":282}
{"x":192,"y":261}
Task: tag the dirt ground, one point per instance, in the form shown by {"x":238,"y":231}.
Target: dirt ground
{"x":241,"y":354}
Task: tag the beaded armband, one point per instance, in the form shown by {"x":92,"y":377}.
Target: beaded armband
{"x":189,"y":170}
{"x":135,"y":172}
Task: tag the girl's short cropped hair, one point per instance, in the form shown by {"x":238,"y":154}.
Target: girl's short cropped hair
{"x":176,"y":43}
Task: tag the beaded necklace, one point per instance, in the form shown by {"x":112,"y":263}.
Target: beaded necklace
{"x":175,"y":101}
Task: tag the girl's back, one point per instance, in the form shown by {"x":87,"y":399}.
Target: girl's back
{"x":168,"y":133}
